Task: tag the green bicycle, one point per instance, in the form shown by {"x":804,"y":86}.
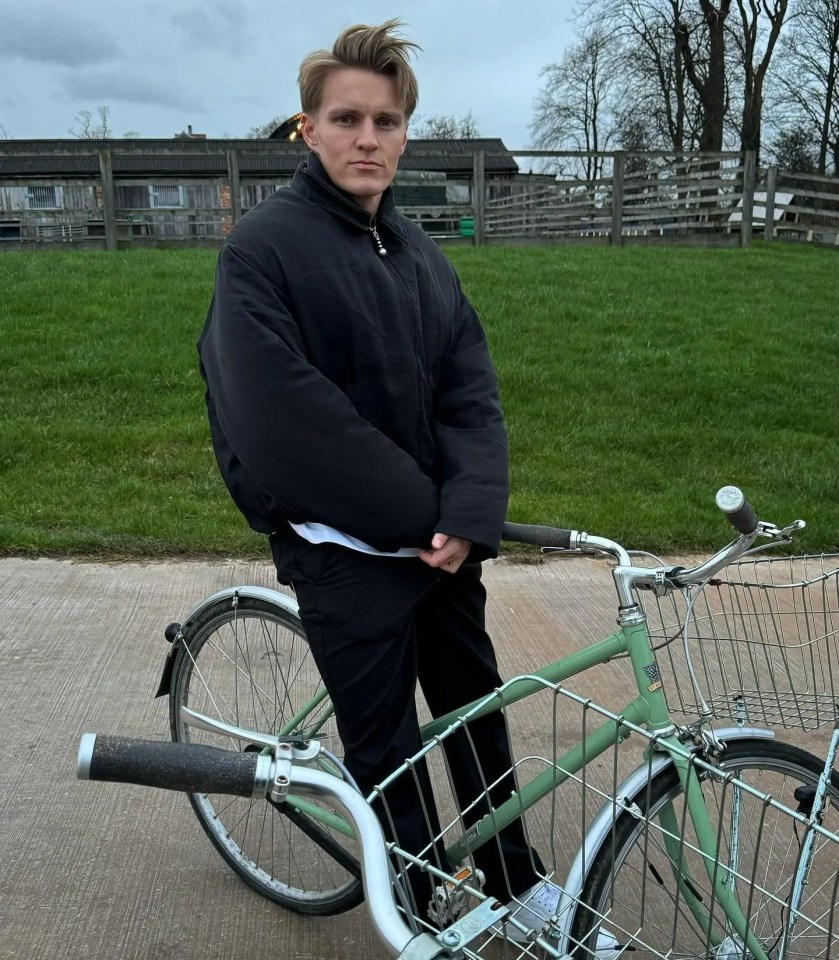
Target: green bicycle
{"x":722,"y":843}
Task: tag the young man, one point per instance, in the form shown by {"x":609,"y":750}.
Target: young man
{"x":354,"y":414}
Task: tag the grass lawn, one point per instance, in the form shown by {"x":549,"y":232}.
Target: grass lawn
{"x":635,"y":381}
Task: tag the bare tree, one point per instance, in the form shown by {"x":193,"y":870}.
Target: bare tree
{"x":693,"y":71}
{"x":684,"y":62}
{"x":643,"y":35}
{"x":264,"y":130}
{"x":4,"y":133}
{"x":805,"y":89}
{"x":792,"y":150}
{"x":635,"y":135}
{"x":445,"y":128}
{"x":88,"y":129}
{"x":760,"y":22}
{"x":577,"y":106}
{"x":656,"y":61}
{"x":707,"y":73}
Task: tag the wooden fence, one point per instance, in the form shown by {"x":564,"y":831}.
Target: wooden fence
{"x":646,"y":197}
{"x":636,"y":197}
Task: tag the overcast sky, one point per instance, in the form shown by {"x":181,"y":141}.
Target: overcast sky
{"x":227,"y":65}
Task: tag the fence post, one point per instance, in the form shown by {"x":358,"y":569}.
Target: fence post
{"x":106,"y":178}
{"x":749,"y":171}
{"x":617,"y":198}
{"x":769,"y":222}
{"x":478,"y":195}
{"x":235,"y":186}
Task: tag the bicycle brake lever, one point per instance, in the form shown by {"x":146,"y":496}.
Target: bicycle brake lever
{"x":772,"y":532}
{"x":793,"y":527}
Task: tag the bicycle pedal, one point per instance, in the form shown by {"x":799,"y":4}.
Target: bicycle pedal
{"x":450,"y":899}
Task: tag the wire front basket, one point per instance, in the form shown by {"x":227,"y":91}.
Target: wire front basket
{"x":615,"y":840}
{"x":763,"y":643}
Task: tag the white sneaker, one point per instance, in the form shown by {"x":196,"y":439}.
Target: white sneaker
{"x":608,"y":947}
{"x":533,"y":909}
{"x":538,"y":906}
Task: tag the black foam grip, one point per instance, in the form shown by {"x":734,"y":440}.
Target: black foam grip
{"x":537,"y":535}
{"x":188,"y":767}
{"x":744,"y":520}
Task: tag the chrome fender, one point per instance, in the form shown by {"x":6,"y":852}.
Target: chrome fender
{"x":274,"y":597}
{"x":289,"y":604}
{"x":598,"y":832}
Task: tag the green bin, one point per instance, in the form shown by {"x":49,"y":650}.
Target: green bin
{"x":467,"y":226}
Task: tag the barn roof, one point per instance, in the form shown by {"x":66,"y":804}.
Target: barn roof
{"x":197,"y":158}
{"x":782,"y":202}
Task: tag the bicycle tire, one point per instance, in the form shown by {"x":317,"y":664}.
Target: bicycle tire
{"x":247,"y":661}
{"x":632,"y":883}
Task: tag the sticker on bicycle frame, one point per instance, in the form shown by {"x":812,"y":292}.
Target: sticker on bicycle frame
{"x":471,"y":835}
{"x":653,"y":675}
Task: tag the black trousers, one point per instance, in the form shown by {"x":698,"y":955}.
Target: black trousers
{"x":375,"y":626}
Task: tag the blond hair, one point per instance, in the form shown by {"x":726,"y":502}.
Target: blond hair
{"x":376,"y":48}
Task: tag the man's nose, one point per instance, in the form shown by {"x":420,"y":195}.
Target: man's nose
{"x":368,"y":134}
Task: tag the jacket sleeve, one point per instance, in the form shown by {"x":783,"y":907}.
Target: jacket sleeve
{"x":472,"y":441}
{"x":296,"y":434}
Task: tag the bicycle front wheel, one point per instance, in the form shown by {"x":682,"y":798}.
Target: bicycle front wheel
{"x":246,"y":661}
{"x":647,"y":886}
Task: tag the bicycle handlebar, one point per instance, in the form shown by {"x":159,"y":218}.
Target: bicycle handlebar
{"x":185,"y":767}
{"x":730,"y":500}
{"x":737,"y":509}
{"x":196,"y":768}
{"x":538,"y":536}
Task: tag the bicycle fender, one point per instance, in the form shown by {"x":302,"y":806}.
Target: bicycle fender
{"x":226,"y":596}
{"x":598,"y":832}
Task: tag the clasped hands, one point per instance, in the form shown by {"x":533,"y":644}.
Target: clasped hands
{"x":446,"y":553}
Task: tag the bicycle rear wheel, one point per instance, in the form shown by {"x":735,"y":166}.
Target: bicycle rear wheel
{"x":246,"y":661}
{"x":641,"y":883}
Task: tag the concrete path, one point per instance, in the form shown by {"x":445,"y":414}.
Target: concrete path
{"x":111,"y":872}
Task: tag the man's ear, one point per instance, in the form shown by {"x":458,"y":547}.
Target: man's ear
{"x":308,"y":132}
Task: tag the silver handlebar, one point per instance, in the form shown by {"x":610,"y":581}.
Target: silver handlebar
{"x":664,"y":578}
{"x":278,"y":769}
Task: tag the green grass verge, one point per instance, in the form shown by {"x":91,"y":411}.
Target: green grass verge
{"x":635,"y":382}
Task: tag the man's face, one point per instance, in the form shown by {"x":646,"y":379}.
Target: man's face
{"x":359,"y":132}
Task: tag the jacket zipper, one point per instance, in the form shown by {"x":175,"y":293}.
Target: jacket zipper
{"x":419,"y":346}
{"x":380,"y":247}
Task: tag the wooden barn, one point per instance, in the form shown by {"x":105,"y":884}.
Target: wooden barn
{"x":191,"y":190}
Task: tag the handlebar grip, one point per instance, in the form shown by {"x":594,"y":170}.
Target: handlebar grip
{"x":188,"y":767}
{"x":537,"y":535}
{"x":738,"y":510}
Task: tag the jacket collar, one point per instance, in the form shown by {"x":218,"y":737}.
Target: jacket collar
{"x":312,"y":181}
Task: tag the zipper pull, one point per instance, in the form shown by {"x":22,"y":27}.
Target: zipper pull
{"x":380,"y":249}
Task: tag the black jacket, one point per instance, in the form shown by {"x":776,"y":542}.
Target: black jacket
{"x":349,"y":388}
